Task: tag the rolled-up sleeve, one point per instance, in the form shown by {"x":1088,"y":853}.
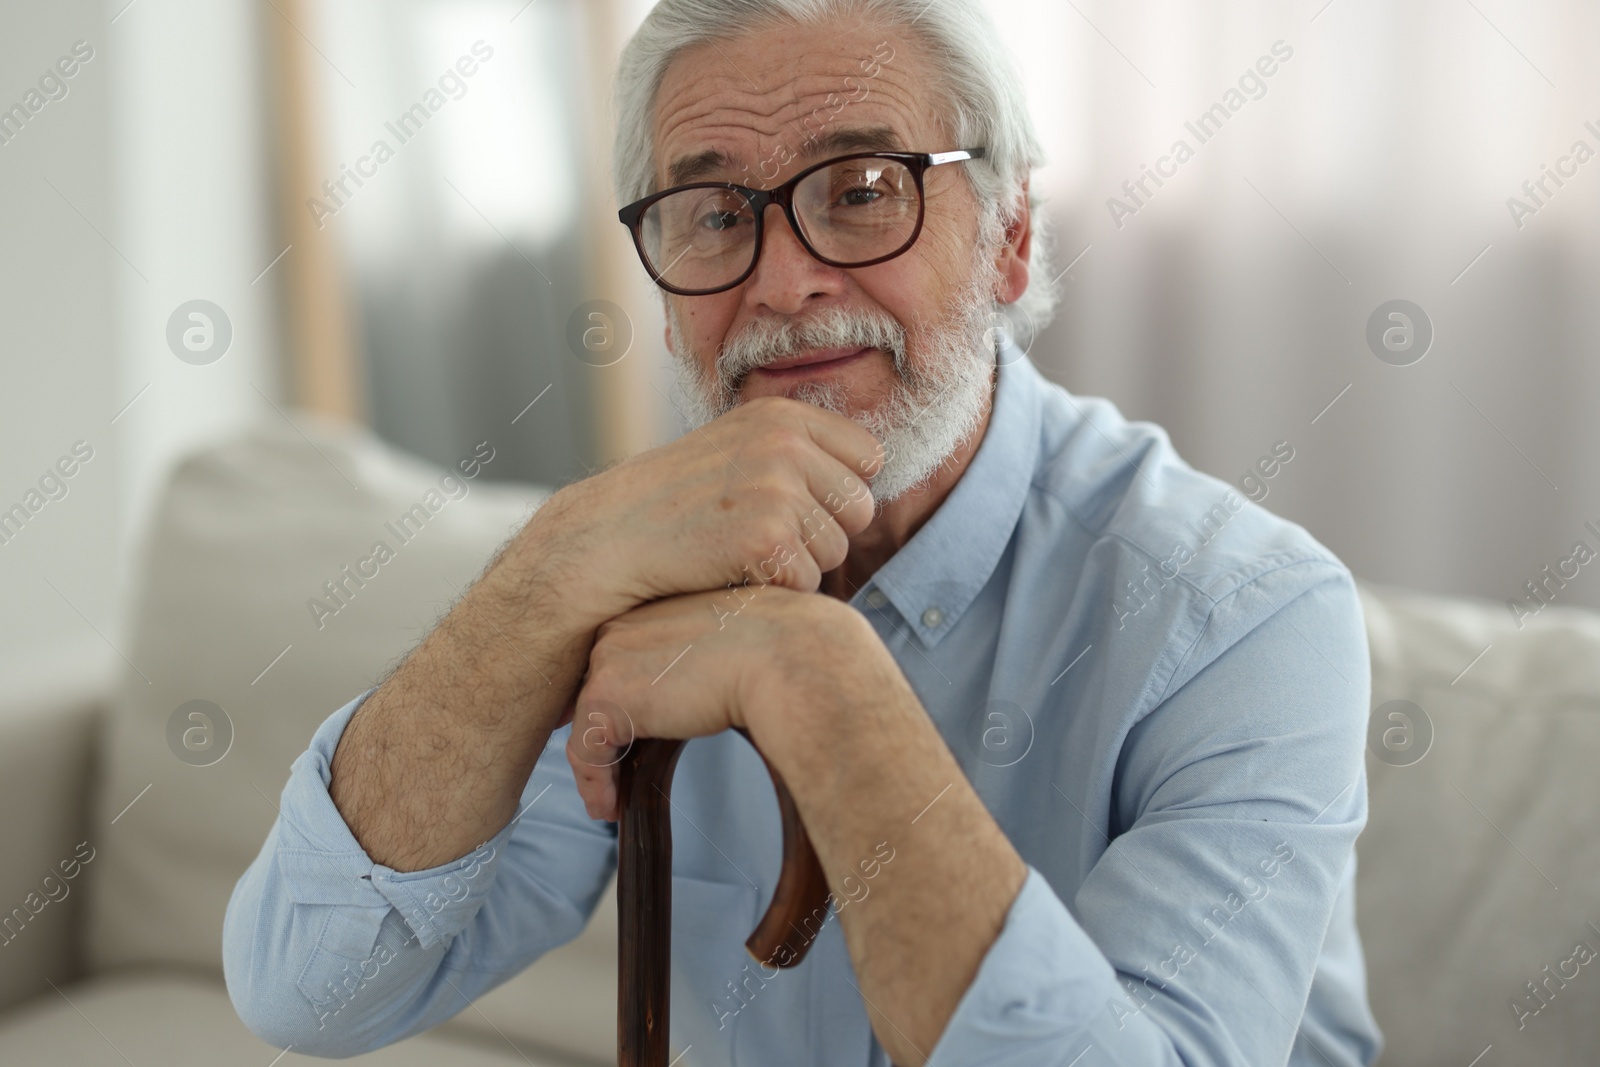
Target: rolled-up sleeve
{"x":1196,"y":935}
{"x":325,"y":950}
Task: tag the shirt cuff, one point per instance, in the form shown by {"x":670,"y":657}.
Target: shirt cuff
{"x":1037,"y":987}
{"x":322,"y":862}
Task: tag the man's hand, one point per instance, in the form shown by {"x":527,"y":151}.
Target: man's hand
{"x":434,"y":762}
{"x":826,"y":704}
{"x":768,"y":493}
{"x":687,"y":666}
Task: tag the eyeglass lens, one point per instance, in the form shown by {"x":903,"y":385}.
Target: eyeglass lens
{"x":850,"y":212}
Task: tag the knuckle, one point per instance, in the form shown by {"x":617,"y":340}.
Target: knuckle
{"x":814,"y":521}
{"x":599,"y":669}
{"x":771,"y":549}
{"x":775,"y":530}
{"x":763,"y":409}
{"x":783,"y":442}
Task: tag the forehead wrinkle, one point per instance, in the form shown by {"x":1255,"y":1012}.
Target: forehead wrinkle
{"x":723,"y":116}
{"x":822,"y":59}
{"x":807,"y":91}
{"x":732,"y":109}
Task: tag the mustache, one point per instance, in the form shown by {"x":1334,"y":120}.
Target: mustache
{"x":770,"y":339}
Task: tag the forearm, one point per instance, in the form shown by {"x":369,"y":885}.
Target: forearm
{"x":866,"y":766}
{"x":433,"y":763}
{"x":327,"y":951}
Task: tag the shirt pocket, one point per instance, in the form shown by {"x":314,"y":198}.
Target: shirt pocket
{"x":713,"y":977}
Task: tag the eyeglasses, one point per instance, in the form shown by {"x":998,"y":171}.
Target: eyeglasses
{"x":852,"y":211}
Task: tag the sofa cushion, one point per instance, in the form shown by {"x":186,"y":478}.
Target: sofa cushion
{"x":44,"y":775}
{"x":243,"y":538}
{"x":1480,"y":864}
{"x":169,"y":1020}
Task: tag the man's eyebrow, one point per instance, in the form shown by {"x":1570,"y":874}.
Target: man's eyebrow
{"x":855,"y":139}
{"x":702,"y":166}
{"x":687,"y":169}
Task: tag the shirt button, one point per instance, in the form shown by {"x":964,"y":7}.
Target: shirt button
{"x":876,"y":597}
{"x":932,"y":618}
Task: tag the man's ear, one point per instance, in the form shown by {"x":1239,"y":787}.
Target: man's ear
{"x":1012,"y":259}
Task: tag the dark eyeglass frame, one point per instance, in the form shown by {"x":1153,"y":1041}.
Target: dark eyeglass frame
{"x":917,"y":163}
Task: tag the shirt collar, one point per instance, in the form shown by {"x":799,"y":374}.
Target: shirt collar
{"x":936,"y":575}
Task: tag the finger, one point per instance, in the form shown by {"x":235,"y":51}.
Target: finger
{"x":839,"y":490}
{"x":842,"y":438}
{"x":834,"y":455}
{"x":788,"y":562}
{"x":818,"y":527}
{"x":597,"y":786}
{"x":600,"y":734}
{"x":793,"y":543}
{"x":817,"y":515}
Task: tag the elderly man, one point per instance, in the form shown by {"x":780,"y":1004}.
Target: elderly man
{"x":1076,"y":731}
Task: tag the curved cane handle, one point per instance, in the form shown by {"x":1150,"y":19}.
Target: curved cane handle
{"x":644,"y":898}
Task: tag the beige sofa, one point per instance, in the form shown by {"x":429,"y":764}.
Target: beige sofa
{"x":1480,"y":865}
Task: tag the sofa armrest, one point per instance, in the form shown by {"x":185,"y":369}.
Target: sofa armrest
{"x":46,"y":758}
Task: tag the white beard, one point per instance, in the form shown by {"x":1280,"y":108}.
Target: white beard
{"x":931,"y":410}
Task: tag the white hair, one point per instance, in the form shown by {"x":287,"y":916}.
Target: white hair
{"x":979,"y":90}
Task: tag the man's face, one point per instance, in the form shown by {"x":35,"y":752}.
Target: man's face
{"x":902,"y":335}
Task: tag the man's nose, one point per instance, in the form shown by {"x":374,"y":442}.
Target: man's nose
{"x":787,"y":276}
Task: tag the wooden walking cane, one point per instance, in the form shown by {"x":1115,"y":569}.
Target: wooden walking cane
{"x":644,"y":898}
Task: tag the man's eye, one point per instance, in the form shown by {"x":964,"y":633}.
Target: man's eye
{"x":859,"y":197}
{"x":719,"y":220}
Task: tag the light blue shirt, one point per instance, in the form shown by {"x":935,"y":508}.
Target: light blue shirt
{"x":1159,"y":690}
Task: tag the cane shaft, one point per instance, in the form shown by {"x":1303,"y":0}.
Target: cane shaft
{"x":644,"y":899}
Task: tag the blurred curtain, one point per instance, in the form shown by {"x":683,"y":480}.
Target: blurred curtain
{"x":1376,"y":162}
